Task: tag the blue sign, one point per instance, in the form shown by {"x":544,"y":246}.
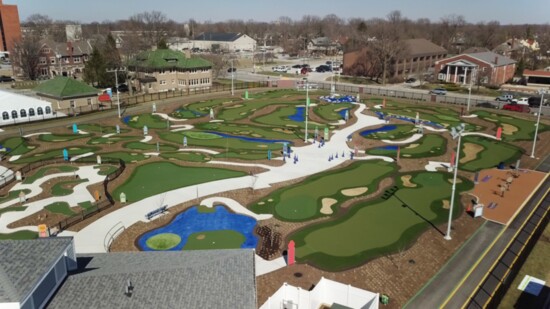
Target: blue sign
{"x":65,"y":154}
{"x":75,"y":128}
{"x":269,"y":154}
{"x":110,"y":92}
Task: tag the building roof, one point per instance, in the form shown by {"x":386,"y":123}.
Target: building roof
{"x":472,"y":50}
{"x":167,"y":58}
{"x":490,"y":57}
{"x":537,"y":73}
{"x":423,"y":47}
{"x":16,"y":101}
{"x":24,"y":262}
{"x":182,"y":279}
{"x":218,"y":36}
{"x":62,"y":88}
{"x":79,"y":47}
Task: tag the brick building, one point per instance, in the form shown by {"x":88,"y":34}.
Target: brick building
{"x":63,"y":59}
{"x":480,"y":68}
{"x":10,"y":29}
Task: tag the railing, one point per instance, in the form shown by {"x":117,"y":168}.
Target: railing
{"x":116,"y":230}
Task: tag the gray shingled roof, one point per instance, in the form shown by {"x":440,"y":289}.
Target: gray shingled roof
{"x":489,"y":57}
{"x":216,"y":36}
{"x":422,"y":47}
{"x":24,"y":262}
{"x":185,"y":279}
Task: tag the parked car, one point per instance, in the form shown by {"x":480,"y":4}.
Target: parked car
{"x":521,"y":101}
{"x":439,"y":91}
{"x":297,"y":66}
{"x":505,"y":97}
{"x":486,"y":105}
{"x":6,"y":79}
{"x":281,"y":69}
{"x":410,"y":80}
{"x":517,"y":108}
{"x":535,"y":102}
{"x":231,"y":70}
{"x":322,"y":68}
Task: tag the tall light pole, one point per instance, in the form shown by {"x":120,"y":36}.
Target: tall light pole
{"x":542,"y":92}
{"x":472,"y":77}
{"x":116,"y":85}
{"x":455,"y":132}
{"x":232,"y":76}
{"x":307,"y":107}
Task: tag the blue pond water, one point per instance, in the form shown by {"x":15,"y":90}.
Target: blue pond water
{"x":299,"y":116}
{"x":390,"y":147}
{"x":250,"y":139}
{"x":436,"y":125}
{"x":192,"y":221}
{"x":381,"y":129}
{"x":342,"y":113}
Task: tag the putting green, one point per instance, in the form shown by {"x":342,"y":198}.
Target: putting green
{"x":430,"y":145}
{"x":56,"y":138}
{"x":215,"y":141}
{"x":163,"y":241}
{"x":127,"y":157}
{"x":56,"y":153}
{"x":17,"y":146}
{"x":105,"y":169}
{"x":401,"y":131}
{"x":12,"y":208}
{"x":62,"y":208}
{"x":90,"y":127}
{"x":371,"y":229}
{"x":149,"y":147}
{"x":330,"y":112}
{"x":19,"y":235}
{"x":47,"y":171}
{"x":185,"y":156}
{"x":493,"y":152}
{"x":111,"y":140}
{"x":525,"y":128}
{"x":151,"y":121}
{"x":12,"y":195}
{"x":59,"y":188}
{"x":209,"y":240}
{"x":303,"y":201}
{"x":158,"y":177}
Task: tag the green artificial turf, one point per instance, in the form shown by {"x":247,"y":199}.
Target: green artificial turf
{"x":19,"y":235}
{"x":56,"y":138}
{"x":127,"y":157}
{"x":279,"y":118}
{"x":203,"y":139}
{"x":86,"y":204}
{"x":402,"y":131}
{"x":112,"y":139}
{"x":47,"y":171}
{"x":250,"y":130}
{"x":185,"y":156}
{"x":56,"y":153}
{"x":149,"y":147}
{"x":303,"y":201}
{"x":492,"y":154}
{"x":12,"y":208}
{"x":62,"y":208}
{"x":329,"y":112}
{"x":100,"y":129}
{"x":105,"y":169}
{"x":163,"y":241}
{"x":158,"y":177}
{"x":246,"y":155}
{"x":17,"y":145}
{"x":151,"y":121}
{"x":430,"y":145}
{"x":59,"y":188}
{"x":525,"y":128}
{"x":205,"y":209}
{"x":12,"y":195}
{"x":220,"y":239}
{"x":242,"y":110}
{"x":444,"y":116}
{"x":374,"y":228}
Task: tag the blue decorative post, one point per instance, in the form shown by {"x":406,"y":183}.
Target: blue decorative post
{"x":211,"y":113}
{"x":185,"y":141}
{"x":346,"y":115}
{"x":269,"y":154}
{"x":285,"y":149}
{"x":326,"y":134}
{"x":65,"y":154}
{"x":117,"y":129}
{"x":75,"y":128}
{"x":154,"y":108}
{"x":158,"y":147}
{"x":145,"y":130}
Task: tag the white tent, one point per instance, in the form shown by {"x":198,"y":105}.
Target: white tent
{"x":16,"y":108}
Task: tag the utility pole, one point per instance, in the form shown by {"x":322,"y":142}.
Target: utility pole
{"x":116,"y":70}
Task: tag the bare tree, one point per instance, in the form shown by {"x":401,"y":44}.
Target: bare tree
{"x":152,"y":26}
{"x":38,"y":25}
{"x":27,"y":56}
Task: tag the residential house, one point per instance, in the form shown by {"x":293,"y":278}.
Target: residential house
{"x":63,"y":59}
{"x":323,"y":46}
{"x":418,"y":57}
{"x":537,"y":77}
{"x":67,"y":93}
{"x":516,"y":48}
{"x":46,"y":272}
{"x":478,"y":68}
{"x":169,"y":70}
{"x":224,"y":42}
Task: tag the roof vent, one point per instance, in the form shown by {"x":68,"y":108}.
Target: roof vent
{"x":129,"y":288}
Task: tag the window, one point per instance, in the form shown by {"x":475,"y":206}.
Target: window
{"x":76,"y":59}
{"x":441,"y":76}
{"x":48,"y":110}
{"x":43,"y":60}
{"x":45,"y":50}
{"x":43,"y":71}
{"x":150,"y":85}
{"x":39,"y":111}
{"x":173,"y":81}
{"x":31,"y":112}
{"x":89,"y":101}
{"x":14,"y":114}
{"x":162,"y":82}
{"x":5,"y":116}
{"x":52,"y":60}
{"x":72,"y":103}
{"x":23,"y":113}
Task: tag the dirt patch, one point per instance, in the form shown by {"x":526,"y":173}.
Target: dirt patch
{"x":508,"y":129}
{"x":446,"y":204}
{"x":327,"y":202}
{"x":470,"y":152}
{"x":354,"y":191}
{"x":406,"y":179}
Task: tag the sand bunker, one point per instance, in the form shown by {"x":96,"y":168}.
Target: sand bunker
{"x":201,"y":236}
{"x":407,"y":181}
{"x":354,"y":191}
{"x":446,"y":204}
{"x":470,"y":150}
{"x":233,"y":106}
{"x":283,"y":130}
{"x":508,"y":129}
{"x":412,"y":146}
{"x":490,"y":119}
{"x":458,"y":180}
{"x":327,"y":203}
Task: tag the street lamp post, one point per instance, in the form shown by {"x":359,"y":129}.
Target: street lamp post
{"x":472,"y":77}
{"x":232,"y":76}
{"x":542,"y":92}
{"x":455,"y":132}
{"x":307,"y":107}
{"x":116,"y":85}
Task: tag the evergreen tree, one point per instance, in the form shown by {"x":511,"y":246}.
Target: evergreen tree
{"x":95,"y":69}
{"x":162,"y":44}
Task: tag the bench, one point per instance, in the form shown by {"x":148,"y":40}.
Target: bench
{"x":155,"y":212}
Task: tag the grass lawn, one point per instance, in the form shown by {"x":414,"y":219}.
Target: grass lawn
{"x":105,"y":169}
{"x":163,"y":241}
{"x":47,"y":171}
{"x":19,"y":235}
{"x":12,"y":195}
{"x":59,"y":189}
{"x":16,"y":145}
{"x":151,"y":121}
{"x":60,"y":208}
{"x":303,"y":201}
{"x":514,"y":129}
{"x":149,"y":147}
{"x":209,"y":240}
{"x":61,"y":137}
{"x":249,"y":130}
{"x":204,"y":139}
{"x":85,"y":205}
{"x":330,"y":112}
{"x":394,"y":132}
{"x":374,"y":228}
{"x":536,"y":265}
{"x":12,"y":208}
{"x":280,"y":118}
{"x":111,"y":140}
{"x":185,"y":156}
{"x":56,"y":153}
{"x":491,"y":155}
{"x":100,"y":129}
{"x":128,"y":157}
{"x":430,"y":145}
{"x":155,"y":178}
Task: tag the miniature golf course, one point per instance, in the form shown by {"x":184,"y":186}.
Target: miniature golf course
{"x":158,"y":177}
{"x":430,"y":145}
{"x":371,"y":229}
{"x":321,"y":195}
{"x":513,"y":129}
{"x":479,"y":153}
{"x":391,"y":132}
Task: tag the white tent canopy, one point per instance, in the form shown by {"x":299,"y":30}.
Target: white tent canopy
{"x":16,"y":108}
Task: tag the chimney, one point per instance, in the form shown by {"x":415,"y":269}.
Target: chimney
{"x":187,"y":53}
{"x":496,"y":60}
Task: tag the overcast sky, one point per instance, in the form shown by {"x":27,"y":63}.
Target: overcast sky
{"x":504,"y":11}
